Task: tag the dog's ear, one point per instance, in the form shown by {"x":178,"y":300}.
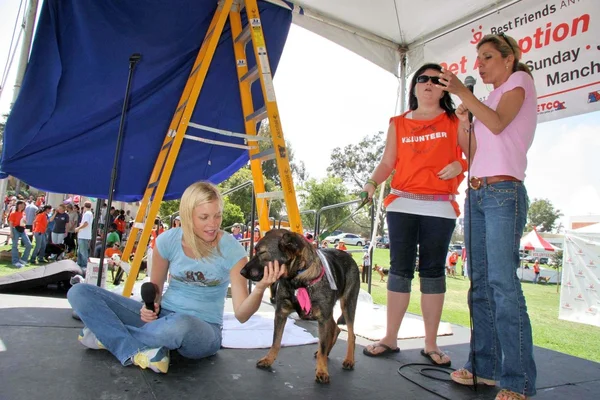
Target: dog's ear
{"x":291,"y":243}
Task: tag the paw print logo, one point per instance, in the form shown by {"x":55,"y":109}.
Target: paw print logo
{"x":477,"y":35}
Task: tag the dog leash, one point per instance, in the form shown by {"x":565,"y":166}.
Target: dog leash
{"x":327,"y":269}
{"x":333,"y":227}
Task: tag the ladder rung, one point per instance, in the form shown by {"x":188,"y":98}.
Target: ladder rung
{"x":251,"y":75}
{"x":153,"y":185}
{"x":265,"y":155}
{"x":244,"y":36}
{"x":270,"y":195}
{"x":218,"y":143}
{"x":250,"y":138}
{"x":138,"y":225}
{"x":257,"y":115}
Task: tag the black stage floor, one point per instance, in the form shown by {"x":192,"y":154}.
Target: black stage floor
{"x":43,"y":360}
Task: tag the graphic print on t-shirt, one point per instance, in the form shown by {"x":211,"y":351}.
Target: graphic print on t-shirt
{"x":196,"y":278}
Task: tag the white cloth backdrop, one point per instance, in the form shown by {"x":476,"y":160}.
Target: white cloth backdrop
{"x":580,"y":292}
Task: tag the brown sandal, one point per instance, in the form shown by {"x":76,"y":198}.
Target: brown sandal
{"x":464,"y":377}
{"x":506,"y":394}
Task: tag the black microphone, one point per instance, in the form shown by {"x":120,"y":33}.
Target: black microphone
{"x":470,"y":84}
{"x":149,"y":295}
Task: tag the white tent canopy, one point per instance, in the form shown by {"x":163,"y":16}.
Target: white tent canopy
{"x":383,"y":30}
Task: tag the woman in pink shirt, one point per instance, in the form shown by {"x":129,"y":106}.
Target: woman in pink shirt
{"x":495,"y":215}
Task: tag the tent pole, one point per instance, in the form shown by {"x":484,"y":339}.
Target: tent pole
{"x":30,"y":15}
{"x":133,"y":60}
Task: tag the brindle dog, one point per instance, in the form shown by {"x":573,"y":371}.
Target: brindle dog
{"x":305,"y":270}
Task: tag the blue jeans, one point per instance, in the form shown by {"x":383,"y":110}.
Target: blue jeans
{"x":433,"y":235}
{"x":83,"y":253}
{"x":16,"y":235}
{"x":116,"y":322}
{"x":39,"y":250}
{"x":495,"y":216}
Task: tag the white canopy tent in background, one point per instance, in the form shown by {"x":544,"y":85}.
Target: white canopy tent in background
{"x":579,"y":296}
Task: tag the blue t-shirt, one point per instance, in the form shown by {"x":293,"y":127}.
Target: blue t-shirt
{"x":198,"y":287}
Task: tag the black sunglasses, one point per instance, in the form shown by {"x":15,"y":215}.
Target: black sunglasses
{"x":426,"y":78}
{"x":503,"y":36}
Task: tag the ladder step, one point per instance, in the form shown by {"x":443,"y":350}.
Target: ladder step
{"x":265,"y":155}
{"x":181,"y":107}
{"x":243,"y":37}
{"x":257,"y":115}
{"x":219,"y":143}
{"x":270,"y":195}
{"x":138,"y":225}
{"x":250,"y":138}
{"x":251,"y":75}
{"x":153,"y":185}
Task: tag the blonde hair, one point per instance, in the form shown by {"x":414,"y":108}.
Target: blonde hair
{"x":196,"y":194}
{"x":507,"y":46}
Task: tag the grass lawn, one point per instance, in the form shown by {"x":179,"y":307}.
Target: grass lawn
{"x":578,"y":340}
{"x":542,"y":301}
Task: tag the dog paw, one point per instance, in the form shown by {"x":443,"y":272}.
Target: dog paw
{"x":264,"y":363}
{"x":347,"y":364}
{"x":322,"y":377}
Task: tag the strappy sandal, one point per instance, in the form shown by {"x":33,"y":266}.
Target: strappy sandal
{"x":464,"y":377}
{"x":506,"y":394}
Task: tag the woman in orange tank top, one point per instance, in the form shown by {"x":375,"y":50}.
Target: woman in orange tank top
{"x":425,"y":150}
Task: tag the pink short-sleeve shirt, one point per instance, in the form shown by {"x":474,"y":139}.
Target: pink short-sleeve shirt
{"x":506,"y":153}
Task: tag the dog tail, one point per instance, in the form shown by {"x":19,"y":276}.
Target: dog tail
{"x":341,"y":320}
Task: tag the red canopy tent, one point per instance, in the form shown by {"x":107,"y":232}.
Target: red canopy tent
{"x":534,"y":242}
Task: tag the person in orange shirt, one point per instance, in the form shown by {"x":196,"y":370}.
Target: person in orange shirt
{"x":342,"y":245}
{"x":536,"y":270}
{"x":17,"y":225}
{"x":40,"y":225}
{"x":425,"y":149}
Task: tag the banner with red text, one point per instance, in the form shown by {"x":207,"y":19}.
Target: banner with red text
{"x":579,"y":296}
{"x":560,"y":44}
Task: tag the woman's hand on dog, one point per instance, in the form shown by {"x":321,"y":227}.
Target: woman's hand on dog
{"x":273,"y":272}
{"x":149,"y":315}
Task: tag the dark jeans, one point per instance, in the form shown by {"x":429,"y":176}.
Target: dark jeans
{"x":433,"y":235}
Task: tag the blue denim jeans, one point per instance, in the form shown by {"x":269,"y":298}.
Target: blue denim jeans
{"x":16,"y":235}
{"x":433,"y":235}
{"x":495,"y":216}
{"x":116,"y":322}
{"x":39,"y":251}
{"x":83,"y":253}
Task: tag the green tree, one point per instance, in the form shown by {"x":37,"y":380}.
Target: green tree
{"x":168,"y":208}
{"x":356,"y":162}
{"x":557,"y":259}
{"x":542,"y":215}
{"x":232,"y":213}
{"x":243,"y":197}
{"x":315,"y":195}
{"x":270,"y":167}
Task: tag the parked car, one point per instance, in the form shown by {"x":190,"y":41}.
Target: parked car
{"x":348,"y":238}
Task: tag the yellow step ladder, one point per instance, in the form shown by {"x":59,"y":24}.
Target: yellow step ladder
{"x":155,"y":190}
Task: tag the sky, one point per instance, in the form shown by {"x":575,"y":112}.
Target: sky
{"x":329,"y":97}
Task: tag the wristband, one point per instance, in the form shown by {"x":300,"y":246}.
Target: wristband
{"x":372,"y":182}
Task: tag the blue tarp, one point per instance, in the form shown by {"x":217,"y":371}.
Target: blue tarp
{"x":62,"y":132}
